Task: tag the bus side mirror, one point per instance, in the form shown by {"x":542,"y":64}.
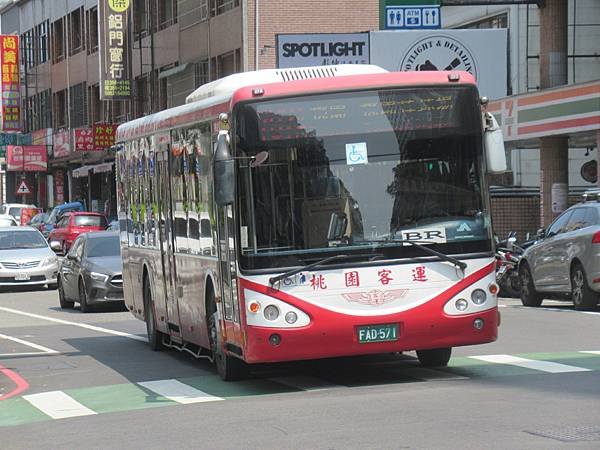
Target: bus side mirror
{"x":494,"y":145}
{"x":224,"y":171}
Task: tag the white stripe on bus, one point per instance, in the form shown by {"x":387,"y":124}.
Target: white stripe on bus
{"x":178,"y":391}
{"x":58,"y":405}
{"x":543,"y":366}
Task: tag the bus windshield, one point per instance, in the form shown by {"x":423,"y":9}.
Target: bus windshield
{"x":361,"y":171}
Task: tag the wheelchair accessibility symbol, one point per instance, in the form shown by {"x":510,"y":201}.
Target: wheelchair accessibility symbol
{"x":356,"y":153}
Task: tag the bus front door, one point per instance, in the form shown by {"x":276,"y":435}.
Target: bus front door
{"x":167,"y":247}
{"x":229,"y":308}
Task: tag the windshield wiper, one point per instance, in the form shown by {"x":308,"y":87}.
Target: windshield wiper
{"x":419,"y":244}
{"x":289,"y":273}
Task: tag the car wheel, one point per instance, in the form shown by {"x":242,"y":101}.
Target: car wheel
{"x":529,"y":296}
{"x":64,"y":303}
{"x":155,"y":337}
{"x":437,"y":357}
{"x":582,"y":296}
{"x":83,"y":300}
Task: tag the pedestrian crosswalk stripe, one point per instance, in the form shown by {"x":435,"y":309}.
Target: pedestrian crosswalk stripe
{"x":58,"y":405}
{"x":305,"y":382}
{"x":544,"y":366}
{"x":179,"y":392}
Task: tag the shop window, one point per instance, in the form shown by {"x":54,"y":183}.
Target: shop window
{"x":191,"y":12}
{"x":76,"y":31}
{"x":94,"y":104}
{"x":92,"y":30}
{"x":201,"y":73}
{"x":222,"y":6}
{"x":42,"y":39}
{"x":60,"y":109}
{"x":78,"y":105}
{"x":58,"y":40}
{"x":140,"y":19}
{"x":27,"y":49}
{"x":166,"y":13}
{"x":141,"y":97}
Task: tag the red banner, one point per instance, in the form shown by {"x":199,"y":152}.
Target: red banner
{"x":61,"y":145}
{"x":84,"y":140}
{"x":10,"y":89}
{"x":104,"y":135}
{"x":59,"y":187}
{"x":26,"y":158}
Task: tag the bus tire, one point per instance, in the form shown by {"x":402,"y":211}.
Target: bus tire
{"x":155,"y":337}
{"x":436,"y":357}
{"x":228,"y":367}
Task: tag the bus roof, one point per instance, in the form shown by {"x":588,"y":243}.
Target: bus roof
{"x":209,"y":100}
{"x":228,"y":85}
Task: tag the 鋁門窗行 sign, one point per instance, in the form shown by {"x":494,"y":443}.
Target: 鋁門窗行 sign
{"x":115,"y":49}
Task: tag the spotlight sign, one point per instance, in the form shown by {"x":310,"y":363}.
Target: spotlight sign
{"x":10,"y":89}
{"x":115,"y":49}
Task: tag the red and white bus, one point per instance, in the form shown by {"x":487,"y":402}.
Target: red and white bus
{"x":310,"y":213}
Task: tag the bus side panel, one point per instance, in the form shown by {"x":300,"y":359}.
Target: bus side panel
{"x":153,"y":264}
{"x":128,"y":288}
{"x":192,"y":272}
{"x":135,"y":268}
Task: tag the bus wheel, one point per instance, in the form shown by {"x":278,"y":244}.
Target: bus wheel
{"x":436,"y":357}
{"x":229,"y":368}
{"x":155,"y":337}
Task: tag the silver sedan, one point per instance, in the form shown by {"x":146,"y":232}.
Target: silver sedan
{"x":26,"y":258}
{"x":565,"y":262}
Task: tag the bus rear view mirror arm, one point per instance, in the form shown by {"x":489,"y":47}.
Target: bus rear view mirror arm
{"x":494,"y":145}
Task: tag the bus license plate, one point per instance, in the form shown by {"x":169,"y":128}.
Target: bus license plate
{"x":22,"y":277}
{"x":377,"y":333}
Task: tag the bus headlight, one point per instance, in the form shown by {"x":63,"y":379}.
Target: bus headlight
{"x":461,"y":304}
{"x":271,"y":312}
{"x":478,"y":296}
{"x":291,"y":317}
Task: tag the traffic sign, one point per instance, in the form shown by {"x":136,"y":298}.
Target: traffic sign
{"x":23,"y":189}
{"x":414,"y":17}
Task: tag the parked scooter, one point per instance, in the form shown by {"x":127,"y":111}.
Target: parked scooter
{"x":508,"y":255}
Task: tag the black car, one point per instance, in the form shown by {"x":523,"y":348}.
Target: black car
{"x":91,"y":273}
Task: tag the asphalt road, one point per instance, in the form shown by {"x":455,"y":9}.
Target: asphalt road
{"x":71,"y":380}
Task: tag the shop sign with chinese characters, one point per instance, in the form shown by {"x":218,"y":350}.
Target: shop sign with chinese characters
{"x":59,"y":187}
{"x":10,"y":111}
{"x":84,"y":140}
{"x":26,"y":158}
{"x":115,"y":54}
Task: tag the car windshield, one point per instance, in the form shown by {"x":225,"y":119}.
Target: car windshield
{"x":103,"y":246}
{"x":89,"y":221}
{"x":361,"y":171}
{"x":13,"y":240}
{"x":15,"y":212}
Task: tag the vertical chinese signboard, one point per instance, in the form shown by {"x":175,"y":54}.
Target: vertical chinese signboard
{"x":115,"y":49}
{"x":59,"y":187}
{"x":10,"y":111}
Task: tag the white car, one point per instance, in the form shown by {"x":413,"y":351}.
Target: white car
{"x":26,"y":258}
{"x":14,"y":209}
{"x":6,"y":220}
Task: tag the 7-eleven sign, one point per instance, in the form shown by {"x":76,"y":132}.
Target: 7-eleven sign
{"x":23,"y":189}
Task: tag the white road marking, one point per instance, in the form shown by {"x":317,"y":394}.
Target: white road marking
{"x":45,"y":350}
{"x":544,"y":366}
{"x":305,"y":382}
{"x":592,"y":352}
{"x":178,"y":391}
{"x":58,"y":405}
{"x":75,"y":324}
